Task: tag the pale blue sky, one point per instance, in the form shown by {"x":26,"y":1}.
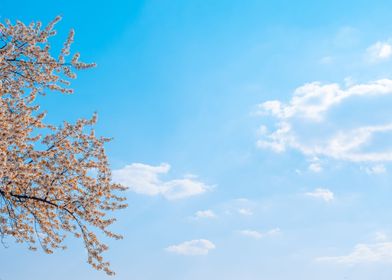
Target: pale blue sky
{"x":222,"y":187}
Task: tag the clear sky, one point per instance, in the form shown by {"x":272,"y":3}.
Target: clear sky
{"x":255,"y":137}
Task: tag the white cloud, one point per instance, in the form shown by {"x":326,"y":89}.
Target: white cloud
{"x":364,"y":253}
{"x":315,"y":167}
{"x":257,"y":234}
{"x":321,"y":193}
{"x":375,"y":169}
{"x":245,"y":211}
{"x":311,"y":101}
{"x":302,"y":124}
{"x":193,"y":247}
{"x":205,"y":214}
{"x":344,"y":145}
{"x":144,"y":179}
{"x":379,"y":51}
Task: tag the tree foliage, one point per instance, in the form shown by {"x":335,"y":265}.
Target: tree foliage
{"x":54,"y":180}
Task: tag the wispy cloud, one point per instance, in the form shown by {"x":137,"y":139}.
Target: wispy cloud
{"x":245,"y":211}
{"x":205,"y":214}
{"x":323,"y":194}
{"x":326,"y":60}
{"x":192,"y":247}
{"x":258,"y":234}
{"x":381,"y":236}
{"x":375,"y":169}
{"x":364,"y":253}
{"x":144,"y":179}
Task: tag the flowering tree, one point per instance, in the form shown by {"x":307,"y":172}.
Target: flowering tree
{"x":54,"y":181}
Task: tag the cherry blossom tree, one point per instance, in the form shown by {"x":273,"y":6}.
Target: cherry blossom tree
{"x":54,"y":180}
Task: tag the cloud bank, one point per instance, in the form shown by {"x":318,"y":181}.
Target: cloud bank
{"x":305,"y":124}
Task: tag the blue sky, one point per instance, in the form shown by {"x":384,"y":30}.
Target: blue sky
{"x":254,"y":136}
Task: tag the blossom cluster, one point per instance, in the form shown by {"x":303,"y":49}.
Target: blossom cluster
{"x":54,"y":180}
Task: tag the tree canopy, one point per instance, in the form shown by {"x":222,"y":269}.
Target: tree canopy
{"x":54,"y":180}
